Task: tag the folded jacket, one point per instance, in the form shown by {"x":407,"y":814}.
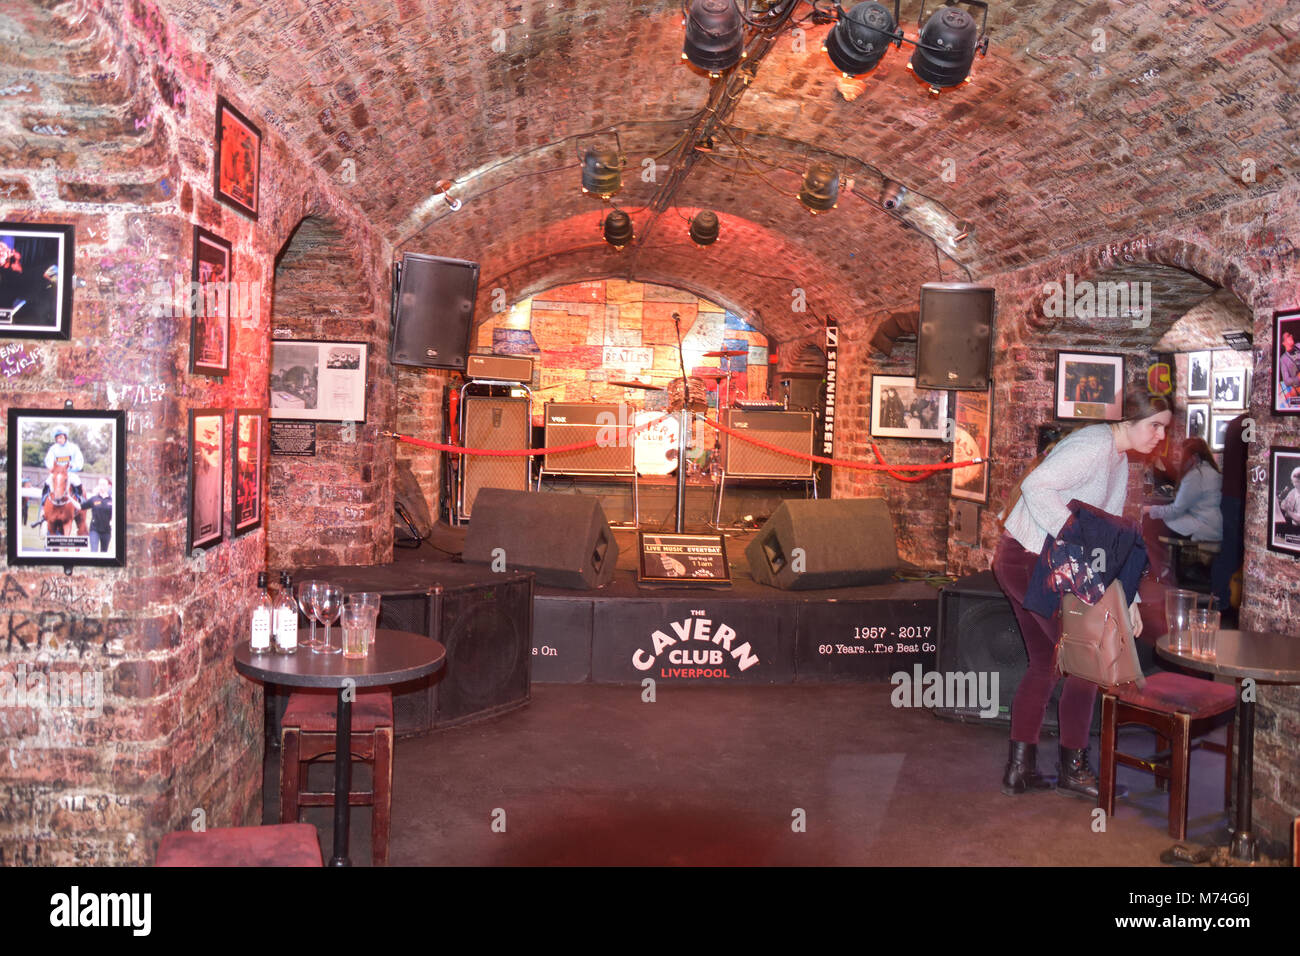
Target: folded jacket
{"x":1092,"y":549}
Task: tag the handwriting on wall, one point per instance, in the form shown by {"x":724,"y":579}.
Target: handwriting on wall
{"x":15,"y":359}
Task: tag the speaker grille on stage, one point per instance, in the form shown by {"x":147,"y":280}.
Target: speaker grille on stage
{"x":570,"y":422}
{"x":789,"y":430}
{"x":565,"y":539}
{"x":842,"y":542}
{"x":435,"y":311}
{"x":495,"y":423}
{"x":955,"y":336}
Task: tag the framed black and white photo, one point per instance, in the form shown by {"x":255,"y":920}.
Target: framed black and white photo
{"x":247,"y":466}
{"x":207,"y":469}
{"x":67,"y":487}
{"x":1286,"y":362}
{"x":1198,"y":420}
{"x":237,"y":160}
{"x":1219,"y":429}
{"x":1089,"y":386}
{"x":210,"y":304}
{"x":901,"y":410}
{"x":318,"y":381}
{"x":1230,"y":388}
{"x":971,"y":440}
{"x":1284,"y":506}
{"x":1198,"y":374}
{"x":36,"y":263}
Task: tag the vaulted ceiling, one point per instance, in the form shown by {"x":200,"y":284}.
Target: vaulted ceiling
{"x":1086,"y":122}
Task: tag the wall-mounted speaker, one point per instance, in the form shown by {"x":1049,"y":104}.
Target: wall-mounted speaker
{"x":842,"y":542}
{"x":434,"y":311}
{"x":954,"y":338}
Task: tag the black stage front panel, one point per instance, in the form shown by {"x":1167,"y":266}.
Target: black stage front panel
{"x":561,"y":640}
{"x":866,"y":640}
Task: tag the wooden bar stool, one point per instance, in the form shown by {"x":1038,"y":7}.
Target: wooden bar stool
{"x":1177,"y":708}
{"x":307,"y":734}
{"x":285,"y":844}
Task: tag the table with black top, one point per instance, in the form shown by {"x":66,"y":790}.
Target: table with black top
{"x":1264,"y":658}
{"x":395,"y":657}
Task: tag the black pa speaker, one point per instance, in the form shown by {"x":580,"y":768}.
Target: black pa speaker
{"x":954,"y":337}
{"x":433,"y":312}
{"x":841,"y":542}
{"x":565,"y":539}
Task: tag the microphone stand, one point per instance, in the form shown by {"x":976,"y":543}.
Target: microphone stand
{"x":684,"y":436}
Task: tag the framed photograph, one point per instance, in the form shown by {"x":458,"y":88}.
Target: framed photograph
{"x":1284,"y":509}
{"x":1198,"y":421}
{"x":901,"y":410}
{"x":236,"y":164}
{"x":1089,"y":386}
{"x":1219,"y":429}
{"x":207,"y":469}
{"x":971,"y":440}
{"x":1230,"y":388}
{"x":36,"y":263}
{"x":318,"y":381}
{"x":1198,"y":374}
{"x":247,"y":467}
{"x":1286,"y":362}
{"x":210,"y":307}
{"x":67,"y":487}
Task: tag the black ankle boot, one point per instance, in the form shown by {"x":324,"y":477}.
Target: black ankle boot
{"x":1022,"y":770}
{"x":1077,"y":778}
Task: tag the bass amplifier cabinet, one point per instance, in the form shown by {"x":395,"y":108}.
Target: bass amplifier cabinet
{"x":500,"y":368}
{"x":790,"y":430}
{"x":483,"y":619}
{"x":496,"y":423}
{"x":570,"y":422}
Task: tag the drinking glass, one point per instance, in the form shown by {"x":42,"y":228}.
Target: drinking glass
{"x":1205,"y":630}
{"x":358,"y":629}
{"x":1179,"y":605}
{"x":306,"y":597}
{"x":328,"y":604}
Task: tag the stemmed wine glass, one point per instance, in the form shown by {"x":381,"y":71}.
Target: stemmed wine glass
{"x":306,"y":597}
{"x":328,"y":604}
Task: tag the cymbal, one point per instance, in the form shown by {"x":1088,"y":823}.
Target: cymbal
{"x":727,"y":353}
{"x":646,"y":386}
{"x":709,"y":373}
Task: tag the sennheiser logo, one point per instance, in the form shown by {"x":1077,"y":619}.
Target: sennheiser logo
{"x":75,"y":909}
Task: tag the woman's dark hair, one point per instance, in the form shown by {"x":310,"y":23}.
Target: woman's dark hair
{"x":1192,"y":449}
{"x":1140,"y":403}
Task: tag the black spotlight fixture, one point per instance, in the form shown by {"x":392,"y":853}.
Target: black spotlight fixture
{"x":946,"y":48}
{"x":862,"y":36}
{"x":821,"y":188}
{"x":618,"y":229}
{"x":715,"y":38}
{"x":704,"y":228}
{"x":602,"y":172}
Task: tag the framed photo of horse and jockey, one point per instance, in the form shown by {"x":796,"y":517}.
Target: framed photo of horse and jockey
{"x":67,"y":487}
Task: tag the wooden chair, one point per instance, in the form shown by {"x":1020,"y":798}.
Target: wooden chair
{"x":292,"y":844}
{"x":1177,"y":707}
{"x":307,"y":735}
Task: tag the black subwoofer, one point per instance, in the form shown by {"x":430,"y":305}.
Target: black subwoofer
{"x":836,"y":543}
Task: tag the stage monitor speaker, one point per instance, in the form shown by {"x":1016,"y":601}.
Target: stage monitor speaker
{"x":564,"y":539}
{"x":499,"y":424}
{"x":788,"y":430}
{"x":568,"y":423}
{"x":954,"y":339}
{"x":844,"y":541}
{"x":434,"y":312}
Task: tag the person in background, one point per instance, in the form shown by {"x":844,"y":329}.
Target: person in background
{"x":1288,"y":370}
{"x":1090,"y":465}
{"x":1194,"y":512}
{"x":100,"y":506}
{"x":1232,"y":509}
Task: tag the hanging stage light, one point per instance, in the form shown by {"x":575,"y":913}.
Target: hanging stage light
{"x":704,"y":228}
{"x":715,"y":36}
{"x":602,"y":172}
{"x":946,"y":48}
{"x":821,"y":188}
{"x":861,"y":37}
{"x":618,"y":229}
{"x":892,"y":194}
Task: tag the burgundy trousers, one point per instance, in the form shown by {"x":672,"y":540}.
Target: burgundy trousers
{"x":1012,"y":566}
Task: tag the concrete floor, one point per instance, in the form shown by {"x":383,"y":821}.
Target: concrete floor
{"x":590,"y":774}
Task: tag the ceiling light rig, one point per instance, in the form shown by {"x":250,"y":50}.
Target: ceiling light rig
{"x":715,"y":35}
{"x":443,"y":188}
{"x":821,"y":188}
{"x":704,"y":228}
{"x":617,"y":229}
{"x":602,"y":172}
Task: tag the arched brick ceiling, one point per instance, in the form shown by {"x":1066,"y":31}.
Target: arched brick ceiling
{"x":1055,"y":143}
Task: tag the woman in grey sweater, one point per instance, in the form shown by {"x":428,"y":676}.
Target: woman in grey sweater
{"x":1194,"y":513}
{"x":1091,"y":465}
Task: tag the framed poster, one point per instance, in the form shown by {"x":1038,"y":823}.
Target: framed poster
{"x":210,"y":306}
{"x":1286,"y":362}
{"x":318,"y":381}
{"x":971,"y":440}
{"x":247,"y":467}
{"x":67,"y":487}
{"x":1230,"y":388}
{"x":1089,"y":386}
{"x":1198,"y":375}
{"x":1198,"y":420}
{"x":36,"y":263}
{"x":237,"y":161}
{"x":1219,"y":429}
{"x":901,"y":410}
{"x":207,"y":461}
{"x":1284,"y":508}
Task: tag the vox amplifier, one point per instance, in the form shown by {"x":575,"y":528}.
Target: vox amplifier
{"x":792,"y":431}
{"x":568,"y":423}
{"x":499,"y":368}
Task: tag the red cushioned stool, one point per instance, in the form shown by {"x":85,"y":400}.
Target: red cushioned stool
{"x":285,"y":844}
{"x":307,"y":734}
{"x":1177,"y":708}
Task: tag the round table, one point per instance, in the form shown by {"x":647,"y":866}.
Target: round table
{"x":395,"y":657}
{"x":1260,"y":657}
